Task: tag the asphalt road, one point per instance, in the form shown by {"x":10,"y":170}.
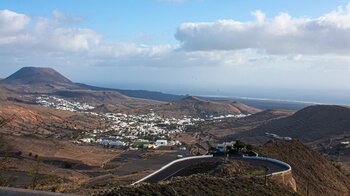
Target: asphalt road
{"x":7,"y":191}
{"x":132,"y":161}
{"x":176,"y":167}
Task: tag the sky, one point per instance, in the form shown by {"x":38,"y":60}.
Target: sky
{"x":290,"y":50}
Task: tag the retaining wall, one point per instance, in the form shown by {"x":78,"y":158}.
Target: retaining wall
{"x":284,"y":177}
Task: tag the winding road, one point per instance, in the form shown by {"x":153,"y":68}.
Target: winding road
{"x":172,"y":169}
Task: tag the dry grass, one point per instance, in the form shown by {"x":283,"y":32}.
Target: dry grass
{"x":203,"y":185}
{"x":90,"y":155}
{"x":309,"y":167}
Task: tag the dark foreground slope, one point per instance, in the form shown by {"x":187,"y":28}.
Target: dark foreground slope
{"x":204,"y":185}
{"x":311,"y":170}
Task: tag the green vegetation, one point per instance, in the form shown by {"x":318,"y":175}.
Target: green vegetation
{"x":4,"y":160}
{"x":139,"y":144}
{"x":4,"y":167}
{"x":34,"y":173}
{"x":239,"y":145}
{"x":256,"y":171}
{"x":38,"y":180}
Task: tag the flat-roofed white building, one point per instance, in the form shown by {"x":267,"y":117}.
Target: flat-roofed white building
{"x":161,"y":143}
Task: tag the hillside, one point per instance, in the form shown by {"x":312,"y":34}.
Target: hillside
{"x":312,"y":124}
{"x":109,"y":108}
{"x":30,"y":80}
{"x":229,"y":126}
{"x":143,"y":94}
{"x":273,"y":104}
{"x":310,"y":169}
{"x":36,"y":80}
{"x":203,"y":185}
{"x":48,"y":80}
{"x":3,"y":94}
{"x":196,"y":107}
{"x":45,"y":122}
{"x":105,"y":97}
{"x":36,"y":75}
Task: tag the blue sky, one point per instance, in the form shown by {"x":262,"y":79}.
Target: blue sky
{"x":123,"y":20}
{"x":268,"y":49}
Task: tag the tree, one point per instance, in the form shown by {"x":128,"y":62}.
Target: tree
{"x":4,"y":180}
{"x":239,"y":145}
{"x":249,"y":147}
{"x":4,"y":161}
{"x":34,"y":173}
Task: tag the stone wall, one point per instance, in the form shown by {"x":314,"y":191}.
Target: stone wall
{"x":285,"y":178}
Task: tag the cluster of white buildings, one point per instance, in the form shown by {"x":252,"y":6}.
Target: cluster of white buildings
{"x":148,"y":124}
{"x":128,"y":130}
{"x":62,"y":104}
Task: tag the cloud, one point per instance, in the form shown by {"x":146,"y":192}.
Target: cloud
{"x":281,"y":35}
{"x":296,"y":52}
{"x":12,"y":22}
{"x":58,"y":40}
{"x":23,"y":32}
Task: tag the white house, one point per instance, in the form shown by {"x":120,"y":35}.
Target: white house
{"x":161,"y":143}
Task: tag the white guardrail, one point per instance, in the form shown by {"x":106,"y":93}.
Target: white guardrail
{"x":271,"y":160}
{"x":169,"y":164}
{"x":289,"y":168}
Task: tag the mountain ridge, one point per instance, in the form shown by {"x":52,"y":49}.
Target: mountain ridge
{"x":36,"y":75}
{"x":45,"y":86}
{"x":311,"y":124}
{"x":199,"y":107}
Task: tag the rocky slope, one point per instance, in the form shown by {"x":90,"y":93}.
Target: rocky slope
{"x":312,"y":124}
{"x":204,"y":185}
{"x":230,"y":126}
{"x":312,"y":171}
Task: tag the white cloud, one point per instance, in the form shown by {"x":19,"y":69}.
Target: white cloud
{"x":283,"y":34}
{"x":280,"y":51}
{"x":43,"y":34}
{"x":12,"y":22}
{"x":57,"y":40}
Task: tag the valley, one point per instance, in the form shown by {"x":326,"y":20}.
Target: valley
{"x":174,"y":98}
{"x":80,"y":139}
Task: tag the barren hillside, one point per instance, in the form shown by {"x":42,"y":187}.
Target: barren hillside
{"x":314,"y":123}
{"x":310,"y":169}
{"x":196,"y":107}
{"x":203,"y":185}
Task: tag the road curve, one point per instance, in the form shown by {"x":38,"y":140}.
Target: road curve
{"x":173,"y":169}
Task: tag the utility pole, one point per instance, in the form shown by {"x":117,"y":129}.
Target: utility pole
{"x":266,"y":169}
{"x":308,"y":182}
{"x":307,"y":187}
